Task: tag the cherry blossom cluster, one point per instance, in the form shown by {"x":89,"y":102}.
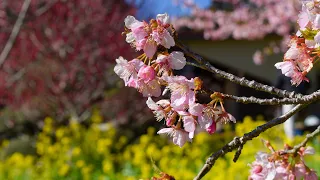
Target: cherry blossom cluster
{"x":247,"y":19}
{"x":282,"y":165}
{"x":252,"y":19}
{"x":303,"y":49}
{"x":152,"y":71}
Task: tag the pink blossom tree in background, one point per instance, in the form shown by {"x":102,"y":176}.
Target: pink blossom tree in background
{"x":57,"y":57}
{"x":247,"y":20}
{"x":178,"y":104}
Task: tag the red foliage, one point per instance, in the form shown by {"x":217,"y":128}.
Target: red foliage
{"x":62,"y":54}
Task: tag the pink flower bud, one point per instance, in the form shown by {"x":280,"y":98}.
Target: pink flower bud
{"x":257,"y":169}
{"x":169,"y":122}
{"x":311,"y":175}
{"x":212,"y":128}
{"x":146,"y":73}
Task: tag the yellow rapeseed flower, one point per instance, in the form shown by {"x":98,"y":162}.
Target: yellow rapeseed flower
{"x":107,"y":166}
{"x":80,"y":163}
{"x":64,"y":169}
{"x":76,"y":151}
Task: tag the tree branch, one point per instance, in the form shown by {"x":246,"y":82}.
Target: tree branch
{"x":241,"y":81}
{"x":240,"y":141}
{"x":296,"y":148}
{"x":45,"y":8}
{"x":15,"y":31}
{"x":275,"y":101}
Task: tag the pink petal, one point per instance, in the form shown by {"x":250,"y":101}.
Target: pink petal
{"x":287,"y":68}
{"x":163,"y":18}
{"x":303,"y":20}
{"x":196,"y":109}
{"x":137,"y":63}
{"x":165,"y":131}
{"x":161,"y":58}
{"x":317,"y":38}
{"x":130,"y":38}
{"x":292,"y":53}
{"x":188,"y":124}
{"x":152,"y":88}
{"x":309,"y":150}
{"x":163,"y":102}
{"x":131,"y":22}
{"x":178,"y":99}
{"x":316,"y":22}
{"x":151,"y":104}
{"x":150,"y":48}
{"x":167,"y":40}
{"x":177,"y":60}
{"x":231,"y":118}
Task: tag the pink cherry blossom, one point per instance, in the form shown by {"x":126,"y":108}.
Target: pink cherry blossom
{"x":205,"y":114}
{"x":146,"y":73}
{"x":132,"y":23}
{"x":179,"y":137}
{"x":297,"y":60}
{"x":312,"y":175}
{"x":151,"y":88}
{"x":189,"y":125}
{"x":262,"y":168}
{"x":158,"y":108}
{"x":280,"y":165}
{"x":138,"y":32}
{"x":160,"y":34}
{"x":163,"y":37}
{"x":310,"y":9}
{"x":182,"y":93}
{"x":287,"y":68}
{"x":143,"y":37}
{"x":223,"y":117}
{"x":126,"y":70}
{"x":175,"y":60}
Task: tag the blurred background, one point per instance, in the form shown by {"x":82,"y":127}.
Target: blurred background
{"x":64,"y":114}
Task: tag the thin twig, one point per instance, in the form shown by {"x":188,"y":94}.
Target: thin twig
{"x":45,"y":8}
{"x":275,"y":101}
{"x":241,"y":81}
{"x":240,"y":141}
{"x":15,"y":31}
{"x":296,"y":148}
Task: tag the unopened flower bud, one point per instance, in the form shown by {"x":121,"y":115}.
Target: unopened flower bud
{"x":147,"y":73}
{"x":212,"y":128}
{"x":257,"y":169}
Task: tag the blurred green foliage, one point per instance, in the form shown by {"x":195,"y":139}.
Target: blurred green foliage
{"x":101,"y":152}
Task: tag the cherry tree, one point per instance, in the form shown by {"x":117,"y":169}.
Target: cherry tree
{"x":56,"y":55}
{"x":248,"y":20}
{"x":178,"y":104}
